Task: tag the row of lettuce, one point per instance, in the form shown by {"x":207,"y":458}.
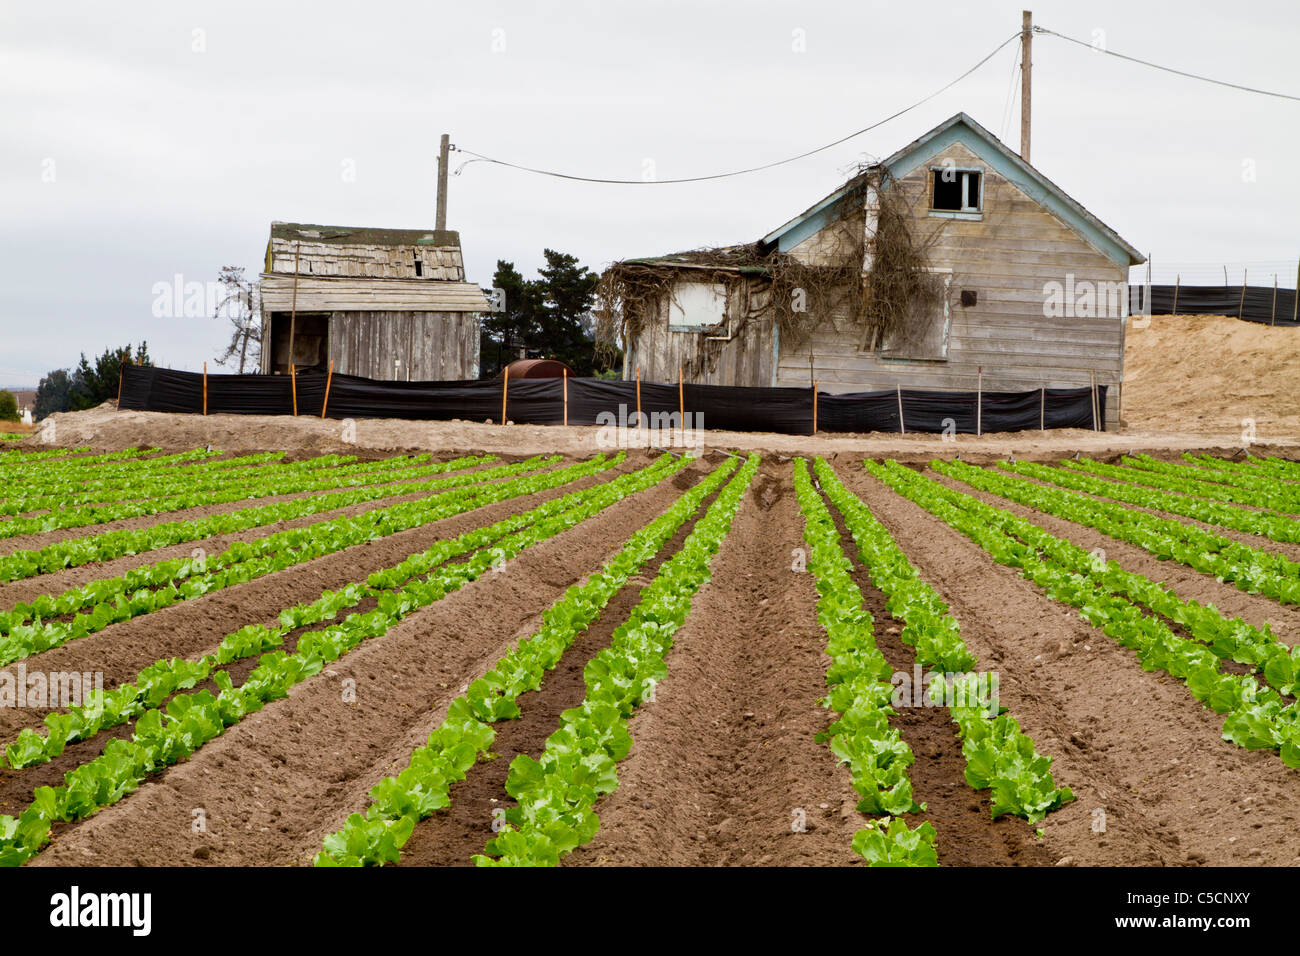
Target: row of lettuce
{"x":1140,"y":614}
{"x":999,"y":757}
{"x":161,"y":679}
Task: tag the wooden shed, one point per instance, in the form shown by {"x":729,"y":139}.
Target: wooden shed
{"x":384,"y":303}
{"x":953,"y":264}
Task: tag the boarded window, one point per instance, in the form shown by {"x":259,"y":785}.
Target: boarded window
{"x":926,"y":335}
{"x":694,"y":304}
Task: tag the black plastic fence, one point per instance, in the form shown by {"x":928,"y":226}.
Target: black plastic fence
{"x":541,"y":401}
{"x":1254,"y":304}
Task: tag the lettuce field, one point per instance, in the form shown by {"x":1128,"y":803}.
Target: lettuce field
{"x":638,"y":658}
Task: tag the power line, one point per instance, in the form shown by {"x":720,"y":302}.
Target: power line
{"x":1011,"y":99}
{"x":480,"y":158}
{"x":1167,"y":69}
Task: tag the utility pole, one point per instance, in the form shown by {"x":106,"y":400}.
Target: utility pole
{"x":442,"y":183}
{"x":1026,"y":37}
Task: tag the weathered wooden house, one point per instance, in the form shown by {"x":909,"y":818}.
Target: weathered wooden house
{"x":953,"y":264}
{"x":384,"y":303}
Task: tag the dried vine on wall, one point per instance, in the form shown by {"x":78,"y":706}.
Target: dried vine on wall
{"x":800,"y":293}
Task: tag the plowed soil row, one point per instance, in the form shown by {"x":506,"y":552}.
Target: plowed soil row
{"x":272,"y":786}
{"x":1156,"y":784}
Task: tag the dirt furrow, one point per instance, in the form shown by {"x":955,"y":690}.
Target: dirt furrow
{"x":1156,"y":784}
{"x":724,"y":769}
{"x":272,"y":786}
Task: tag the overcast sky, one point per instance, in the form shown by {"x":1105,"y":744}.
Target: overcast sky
{"x":144,"y":140}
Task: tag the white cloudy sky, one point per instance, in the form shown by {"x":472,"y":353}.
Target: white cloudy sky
{"x":169,"y":160}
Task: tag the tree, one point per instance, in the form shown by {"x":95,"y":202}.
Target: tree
{"x":93,"y":386}
{"x":514,"y":325}
{"x":8,"y":407}
{"x":53,"y":394}
{"x":550,"y":315}
{"x":242,"y":305}
{"x":567,"y":291}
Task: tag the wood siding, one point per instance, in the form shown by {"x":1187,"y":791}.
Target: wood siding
{"x":747,"y":359}
{"x":431,"y":345}
{"x":398,"y":295}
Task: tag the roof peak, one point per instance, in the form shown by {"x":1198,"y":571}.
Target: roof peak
{"x":1017,"y":170}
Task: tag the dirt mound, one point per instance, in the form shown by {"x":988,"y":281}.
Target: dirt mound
{"x":1209,"y":372}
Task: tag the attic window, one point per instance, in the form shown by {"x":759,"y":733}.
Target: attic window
{"x":957,"y":191}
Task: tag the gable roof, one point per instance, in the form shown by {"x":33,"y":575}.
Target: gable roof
{"x":962,"y":129}
{"x":430,"y":255}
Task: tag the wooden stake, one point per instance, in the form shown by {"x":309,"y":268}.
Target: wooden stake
{"x":1241,"y":306}
{"x":328,"y":378}
{"x":121,"y":366}
{"x":566,"y":395}
{"x":1042,"y":408}
{"x":681,"y":402}
{"x":814,"y":406}
{"x":205,"y":388}
{"x":293,"y":384}
{"x":1092,"y":385}
{"x":293,"y":309}
{"x":1295,"y":306}
{"x":979,"y":403}
{"x":1273,"y":319}
{"x":638,"y":396}
{"x":505,"y":391}
{"x":902,"y":429}
{"x":1177,"y":282}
